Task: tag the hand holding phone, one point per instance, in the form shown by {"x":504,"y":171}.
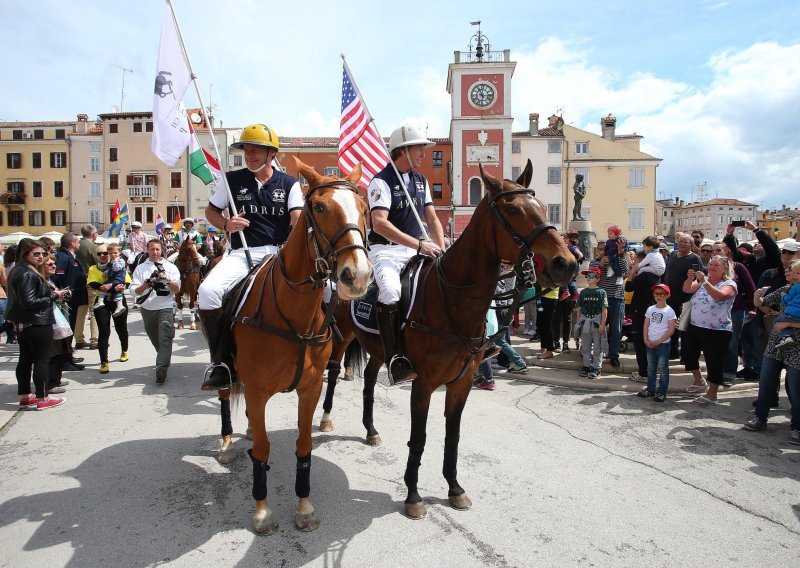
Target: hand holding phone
{"x":737,"y":223}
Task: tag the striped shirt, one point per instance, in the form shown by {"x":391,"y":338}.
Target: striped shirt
{"x":614,"y":286}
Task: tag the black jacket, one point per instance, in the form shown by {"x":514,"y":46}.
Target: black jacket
{"x":71,"y":274}
{"x":30,"y":298}
{"x":756,"y":266}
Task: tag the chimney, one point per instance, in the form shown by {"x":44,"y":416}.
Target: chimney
{"x":533,"y":119}
{"x":608,"y":125}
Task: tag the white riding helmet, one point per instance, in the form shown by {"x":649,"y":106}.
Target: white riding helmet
{"x":408,"y":136}
{"x":187,"y":220}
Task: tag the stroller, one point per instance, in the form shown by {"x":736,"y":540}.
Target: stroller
{"x":625,"y":335}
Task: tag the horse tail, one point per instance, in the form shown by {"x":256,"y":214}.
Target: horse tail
{"x":237,"y":395}
{"x":354,"y":357}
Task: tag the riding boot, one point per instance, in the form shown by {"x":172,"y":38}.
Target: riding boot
{"x":220,"y":373}
{"x":400,"y":369}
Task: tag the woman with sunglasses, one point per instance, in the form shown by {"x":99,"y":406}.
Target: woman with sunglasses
{"x":60,"y":349}
{"x":30,"y":307}
{"x":710,"y":325}
{"x":97,"y":279}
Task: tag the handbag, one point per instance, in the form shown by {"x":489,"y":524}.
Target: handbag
{"x":61,"y":329}
{"x":686,"y":316}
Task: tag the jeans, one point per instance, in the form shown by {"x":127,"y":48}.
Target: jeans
{"x":658,"y":360}
{"x":160,"y":331}
{"x":751,"y":344}
{"x":769,"y":382}
{"x":502,"y":342}
{"x":732,"y":355}
{"x":616,"y":316}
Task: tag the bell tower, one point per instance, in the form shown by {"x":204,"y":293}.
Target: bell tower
{"x":479,"y":84}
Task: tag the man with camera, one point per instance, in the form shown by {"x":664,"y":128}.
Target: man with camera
{"x":154,"y":283}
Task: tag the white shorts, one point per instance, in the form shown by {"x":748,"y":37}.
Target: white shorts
{"x":387,"y":262}
{"x":232,"y":268}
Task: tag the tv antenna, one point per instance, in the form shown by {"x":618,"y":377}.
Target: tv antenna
{"x":124,"y":70}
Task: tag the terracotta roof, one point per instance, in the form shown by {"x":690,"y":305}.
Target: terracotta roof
{"x":718,"y":201}
{"x":549,"y":131}
{"x":626,"y":136}
{"x":33,"y":124}
{"x":111,"y":115}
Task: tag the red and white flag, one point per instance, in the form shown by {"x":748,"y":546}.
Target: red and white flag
{"x":358,"y":137}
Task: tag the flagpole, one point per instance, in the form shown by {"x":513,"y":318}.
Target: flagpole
{"x":211,"y":130}
{"x":394,"y":167}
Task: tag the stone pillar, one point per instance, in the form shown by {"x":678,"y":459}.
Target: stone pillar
{"x":587,"y":240}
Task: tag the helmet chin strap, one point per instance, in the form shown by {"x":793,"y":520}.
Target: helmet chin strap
{"x":258,"y":169}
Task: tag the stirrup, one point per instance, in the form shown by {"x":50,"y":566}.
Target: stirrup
{"x":403,"y":361}
{"x":208,"y":385}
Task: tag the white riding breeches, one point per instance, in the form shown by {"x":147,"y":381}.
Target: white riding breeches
{"x":387,"y":262}
{"x":232,"y":268}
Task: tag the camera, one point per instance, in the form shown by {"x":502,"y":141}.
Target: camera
{"x":158,"y":283}
{"x":67,"y":293}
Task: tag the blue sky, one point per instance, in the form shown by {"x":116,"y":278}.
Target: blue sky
{"x":712,"y":85}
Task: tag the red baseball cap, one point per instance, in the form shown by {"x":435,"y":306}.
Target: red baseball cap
{"x":663,"y":287}
{"x":593,"y":270}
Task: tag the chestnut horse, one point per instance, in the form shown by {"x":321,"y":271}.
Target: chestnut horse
{"x":190,"y":268}
{"x":282,"y":333}
{"x":444,"y":334}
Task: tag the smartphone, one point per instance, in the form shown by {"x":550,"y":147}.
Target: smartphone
{"x":695,"y":267}
{"x":737,"y":223}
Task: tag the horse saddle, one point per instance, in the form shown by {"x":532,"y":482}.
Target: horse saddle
{"x":233,"y":299}
{"x":363,"y":310}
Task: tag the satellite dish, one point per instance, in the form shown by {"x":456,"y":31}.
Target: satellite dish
{"x":196,"y":118}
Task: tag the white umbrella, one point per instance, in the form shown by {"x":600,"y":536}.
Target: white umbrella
{"x":14,"y":238}
{"x":54,"y":236}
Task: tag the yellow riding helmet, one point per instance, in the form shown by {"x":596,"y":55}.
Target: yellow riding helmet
{"x":258,"y":135}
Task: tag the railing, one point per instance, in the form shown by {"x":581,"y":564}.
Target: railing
{"x":486,"y":56}
{"x":12,"y":198}
{"x":142,"y":191}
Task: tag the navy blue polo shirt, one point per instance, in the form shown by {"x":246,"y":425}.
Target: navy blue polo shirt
{"x":386,"y":193}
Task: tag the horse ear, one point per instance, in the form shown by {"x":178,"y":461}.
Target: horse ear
{"x":527,"y":174}
{"x":311,"y":176}
{"x":493,"y":185}
{"x":355,"y":175}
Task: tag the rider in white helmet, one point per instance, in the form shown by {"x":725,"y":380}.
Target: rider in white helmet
{"x":396,"y":235}
{"x":187,"y":232}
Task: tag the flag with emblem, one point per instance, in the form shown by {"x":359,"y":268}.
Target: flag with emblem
{"x":202,"y":164}
{"x":170,"y":131}
{"x":119,"y":216}
{"x":358,"y":138}
{"x":160,"y":224}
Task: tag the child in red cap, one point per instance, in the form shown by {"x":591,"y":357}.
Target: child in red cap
{"x":660,"y":322}
{"x":614,"y":248}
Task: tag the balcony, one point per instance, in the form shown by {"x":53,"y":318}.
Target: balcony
{"x":13,"y":200}
{"x":143,"y":192}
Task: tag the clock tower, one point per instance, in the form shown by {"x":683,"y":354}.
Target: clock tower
{"x":479,"y":83}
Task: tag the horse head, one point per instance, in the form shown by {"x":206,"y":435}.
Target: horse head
{"x":521,"y":227}
{"x":337,"y":229}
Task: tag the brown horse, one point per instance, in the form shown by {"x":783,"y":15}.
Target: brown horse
{"x":444,"y":335}
{"x":282,"y":334}
{"x":190,"y":268}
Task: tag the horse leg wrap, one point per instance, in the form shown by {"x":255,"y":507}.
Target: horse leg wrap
{"x":412,"y":467}
{"x":302,"y":481}
{"x":450,"y":469}
{"x":225,"y":415}
{"x":260,"y":470}
{"x":333,"y":377}
{"x":366,"y":417}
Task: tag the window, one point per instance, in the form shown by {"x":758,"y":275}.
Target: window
{"x":13,"y":160}
{"x":721,"y":219}
{"x":237,"y":161}
{"x":58,"y":218}
{"x":137,"y":126}
{"x":36,"y":218}
{"x":554,"y":174}
{"x":137,"y":214}
{"x":437,"y":159}
{"x":475,"y":191}
{"x":112,"y":154}
{"x":94,"y":216}
{"x":60,"y":133}
{"x":148,"y":215}
{"x":585,"y":173}
{"x":58,"y":188}
{"x":36,"y":159}
{"x":554,"y":146}
{"x":636,"y":177}
{"x":581,"y":148}
{"x":16,"y":135}
{"x":94,"y":189}
{"x":437,"y":191}
{"x":148,"y":126}
{"x":58,"y":159}
{"x":37,"y":189}
{"x":636,"y":218}
{"x":1,"y":218}
{"x":331,"y":172}
{"x":175,"y":180}
{"x":554,"y":213}
{"x":94,"y":147}
{"x":94,"y":164}
{"x":113,"y":128}
{"x":38,"y":134}
{"x":515,"y":171}
{"x":516,"y":147}
{"x":113,"y":181}
{"x":16,"y":186}
{"x":15,"y":219}
{"x":173,"y":210}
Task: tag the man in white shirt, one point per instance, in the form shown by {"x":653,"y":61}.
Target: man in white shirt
{"x":137,"y":241}
{"x":154,"y":283}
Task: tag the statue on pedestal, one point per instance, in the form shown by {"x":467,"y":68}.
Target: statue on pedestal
{"x":580,"y":192}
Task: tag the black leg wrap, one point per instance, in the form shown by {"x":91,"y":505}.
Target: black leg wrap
{"x":366,"y":416}
{"x":450,"y":464}
{"x":225,"y":415}
{"x":302,"y":481}
{"x":333,"y":377}
{"x":412,"y":467}
{"x":260,"y":470}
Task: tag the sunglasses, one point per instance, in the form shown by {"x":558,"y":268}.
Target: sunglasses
{"x":706,"y":251}
{"x":591,"y":276}
{"x":660,"y":294}
{"x":37,"y":254}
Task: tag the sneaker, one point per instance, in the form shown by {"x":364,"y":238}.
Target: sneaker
{"x":49,"y":402}
{"x":70,"y":366}
{"x":755,"y":424}
{"x":486,"y":385}
{"x":727,"y":383}
{"x":566,"y":349}
{"x":98,"y":306}
{"x":123,"y":357}
{"x":56,"y":390}
{"x":583,"y":372}
{"x":794,"y":438}
{"x":785,"y":343}
{"x":741,"y":373}
{"x":104,"y":368}
{"x":161,"y":376}
{"x":645,"y":393}
{"x":93,"y":345}
{"x":119,"y":311}
{"x":556,"y":347}
{"x":637,"y":378}
{"x":660,"y":397}
{"x":28,"y":401}
{"x":80,"y":345}
{"x":519,"y":369}
{"x":594,"y":374}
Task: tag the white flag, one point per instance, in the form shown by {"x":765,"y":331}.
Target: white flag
{"x":170,"y":132}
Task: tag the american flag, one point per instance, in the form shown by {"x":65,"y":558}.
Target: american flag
{"x":358,"y":139}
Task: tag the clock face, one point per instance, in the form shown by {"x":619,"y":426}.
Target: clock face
{"x":482,"y":95}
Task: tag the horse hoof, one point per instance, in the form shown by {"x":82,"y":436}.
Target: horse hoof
{"x":193,"y":326}
{"x":306,"y":523}
{"x":374,"y":440}
{"x":415,"y":511}
{"x":326,"y":426}
{"x":263,"y":523}
{"x":460,"y":502}
{"x":227,"y":455}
